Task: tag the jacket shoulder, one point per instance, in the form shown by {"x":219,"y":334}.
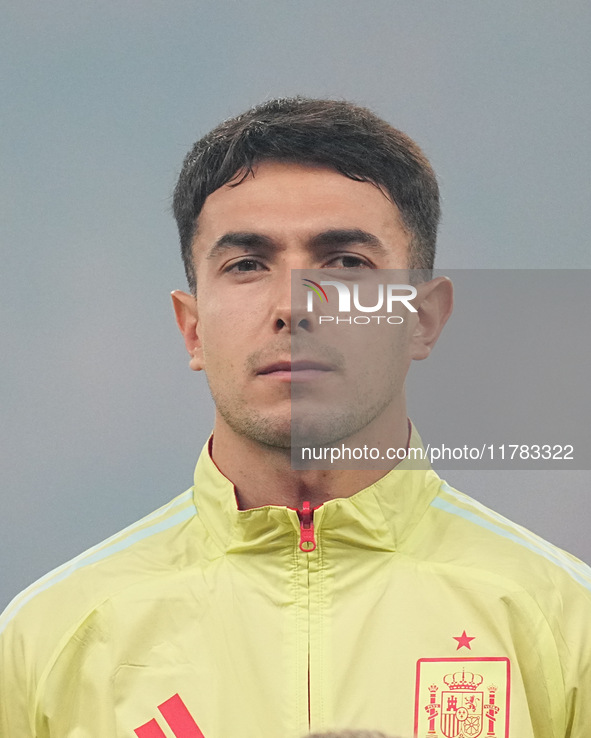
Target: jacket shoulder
{"x":473,"y":535}
{"x":40,"y":618}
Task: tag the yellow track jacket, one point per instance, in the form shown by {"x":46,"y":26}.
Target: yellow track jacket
{"x":407,"y":608}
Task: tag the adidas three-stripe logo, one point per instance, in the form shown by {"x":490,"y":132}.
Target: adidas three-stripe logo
{"x":178,"y":719}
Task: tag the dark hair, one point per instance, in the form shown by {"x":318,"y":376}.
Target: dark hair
{"x":346,"y":137}
{"x":350,"y":734}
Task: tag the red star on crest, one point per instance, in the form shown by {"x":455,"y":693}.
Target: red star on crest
{"x":463,"y":641}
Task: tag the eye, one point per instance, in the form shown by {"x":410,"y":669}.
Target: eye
{"x":349,"y":261}
{"x":245,"y":265}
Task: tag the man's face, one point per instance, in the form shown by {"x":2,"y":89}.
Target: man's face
{"x":261,"y":359}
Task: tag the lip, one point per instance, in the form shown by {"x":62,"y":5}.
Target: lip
{"x":300,"y":370}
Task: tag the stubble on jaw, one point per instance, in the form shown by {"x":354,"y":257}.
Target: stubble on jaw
{"x":308,"y":421}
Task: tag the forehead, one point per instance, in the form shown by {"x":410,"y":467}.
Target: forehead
{"x":296,"y":201}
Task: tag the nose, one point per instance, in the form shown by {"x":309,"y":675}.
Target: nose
{"x":289,"y":313}
{"x":290,"y":319}
{"x":291,"y":326}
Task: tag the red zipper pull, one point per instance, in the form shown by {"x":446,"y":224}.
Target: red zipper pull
{"x":306,"y":517}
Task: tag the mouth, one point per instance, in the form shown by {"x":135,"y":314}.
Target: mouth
{"x":295,"y":371}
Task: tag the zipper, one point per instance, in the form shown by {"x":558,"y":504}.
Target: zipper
{"x":307,"y":539}
{"x":307,"y":545}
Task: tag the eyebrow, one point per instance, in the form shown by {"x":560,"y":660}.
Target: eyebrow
{"x":244,"y":240}
{"x":347,"y":237}
{"x":331,"y":238}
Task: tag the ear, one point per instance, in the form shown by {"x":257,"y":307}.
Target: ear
{"x":434,"y":303}
{"x":185,"y":309}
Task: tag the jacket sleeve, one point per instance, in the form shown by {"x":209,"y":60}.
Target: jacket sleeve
{"x":579,"y":693}
{"x":16,"y":685}
{"x":572,"y":632}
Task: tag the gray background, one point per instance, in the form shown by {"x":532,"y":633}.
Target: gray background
{"x":101,"y":418}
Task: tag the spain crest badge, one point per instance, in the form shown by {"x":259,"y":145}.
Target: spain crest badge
{"x":462,"y":698}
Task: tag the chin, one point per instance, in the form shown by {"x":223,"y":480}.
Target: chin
{"x":321,"y":429}
{"x":273,"y":432}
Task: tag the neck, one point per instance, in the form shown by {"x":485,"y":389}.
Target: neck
{"x":263,"y":475}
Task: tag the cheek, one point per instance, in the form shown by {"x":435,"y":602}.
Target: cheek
{"x":233,"y":310}
{"x":220,"y":350}
{"x":378,"y":346}
{"x":225,"y":337}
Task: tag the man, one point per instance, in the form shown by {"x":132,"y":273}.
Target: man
{"x":268,"y":601}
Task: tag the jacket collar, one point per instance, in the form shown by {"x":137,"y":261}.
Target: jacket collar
{"x":380,"y":516}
